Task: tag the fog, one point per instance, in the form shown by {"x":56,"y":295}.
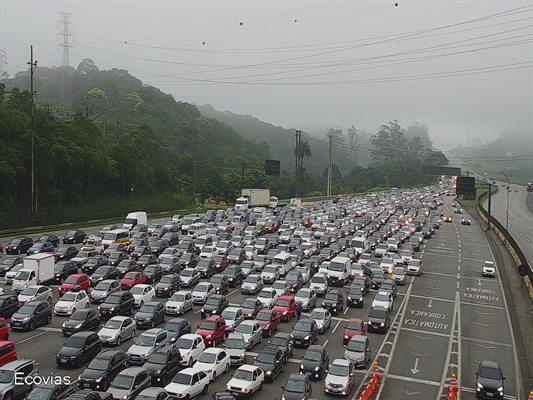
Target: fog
{"x":458,"y":66}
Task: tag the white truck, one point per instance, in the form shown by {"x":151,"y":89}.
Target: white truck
{"x":339,"y":271}
{"x":36,"y":270}
{"x":252,"y":198}
{"x":135,"y":218}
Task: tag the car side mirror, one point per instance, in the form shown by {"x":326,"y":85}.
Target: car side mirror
{"x":477,"y":374}
{"x":282,"y":387}
{"x":504,"y":378}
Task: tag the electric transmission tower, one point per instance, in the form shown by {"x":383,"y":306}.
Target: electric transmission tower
{"x":65,"y":86}
{"x":3,"y":62}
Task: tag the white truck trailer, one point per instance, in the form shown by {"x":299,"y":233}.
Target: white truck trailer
{"x":252,"y":198}
{"x":37,"y":269}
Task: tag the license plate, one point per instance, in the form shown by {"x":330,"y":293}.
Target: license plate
{"x":64,"y":361}
{"x":298,"y":341}
{"x":490,"y":395}
{"x":15,"y":323}
{"x":85,"y":385}
{"x":68,"y":333}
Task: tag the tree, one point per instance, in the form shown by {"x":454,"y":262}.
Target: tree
{"x":389,"y":144}
{"x":303,"y":152}
{"x":87,"y":66}
{"x":96,"y":99}
{"x":422,"y":131}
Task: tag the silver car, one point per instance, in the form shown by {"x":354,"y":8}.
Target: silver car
{"x":358,"y":351}
{"x":306,"y":297}
{"x":235,"y":345}
{"x":36,"y":292}
{"x":252,"y":332}
{"x":116,"y":330}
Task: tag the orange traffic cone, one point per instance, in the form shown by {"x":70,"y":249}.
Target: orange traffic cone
{"x":375,"y":370}
{"x":531,"y":394}
{"x":453,"y":381}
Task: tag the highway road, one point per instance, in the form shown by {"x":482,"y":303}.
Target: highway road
{"x":448,"y":319}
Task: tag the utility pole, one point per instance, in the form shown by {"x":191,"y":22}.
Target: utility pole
{"x":65,"y":85}
{"x":298,"y":162}
{"x":507,"y":212}
{"x":330,"y":165}
{"x":33,"y":66}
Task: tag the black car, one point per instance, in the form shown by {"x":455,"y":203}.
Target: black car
{"x":78,"y":348}
{"x":315,"y":362}
{"x":171,"y":237}
{"x":89,"y":395}
{"x":207,"y":268}
{"x":63,"y":269}
{"x":146,"y":260}
{"x":158,"y":246}
{"x":45,"y":247}
{"x":50,"y":391}
{"x":188,"y":260}
{"x":177,"y":327}
{"x":116,"y":257}
{"x":186,"y":246}
{"x":117,"y":303}
{"x":490,"y":380}
{"x":32,"y":315}
{"x":104,"y":272}
{"x":271,"y":360}
{"x":378,"y":320}
{"x":74,"y":236}
{"x":234,"y":274}
{"x":168,"y":285}
{"x":102,"y":370}
{"x":305,"y":332}
{"x":377,"y":278}
{"x":333,"y":301}
{"x":135,"y":243}
{"x":48,"y":238}
{"x":297,"y":387}
{"x":153,"y":273}
{"x":214,"y":305}
{"x":150,"y":314}
{"x":357,"y":291}
{"x":163,"y":364}
{"x":221,"y":283}
{"x":223,"y":396}
{"x":141,"y":251}
{"x":93,"y":263}
{"x":9,"y":305}
{"x":126,"y":266}
{"x":390,"y":286}
{"x":250,"y":307}
{"x":237,"y":256}
{"x":65,"y":253}
{"x":8,"y":263}
{"x":86,"y":319}
{"x":295,"y":280}
{"x":115,"y":247}
{"x":19,"y":245}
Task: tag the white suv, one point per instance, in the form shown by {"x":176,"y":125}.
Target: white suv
{"x":489,"y":269}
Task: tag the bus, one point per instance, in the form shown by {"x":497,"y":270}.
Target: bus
{"x":116,"y":236}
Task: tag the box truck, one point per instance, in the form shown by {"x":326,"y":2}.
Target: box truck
{"x":37,"y":269}
{"x":252,"y":198}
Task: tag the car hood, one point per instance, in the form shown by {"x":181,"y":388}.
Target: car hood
{"x":69,"y":351}
{"x":108,"y":332}
{"x":247,"y":311}
{"x":118,"y":393}
{"x":199,"y":294}
{"x":280,"y":309}
{"x":24,"y":298}
{"x":143,"y":315}
{"x":153,"y":367}
{"x":99,"y":293}
{"x":308,"y":364}
{"x":383,"y":304}
{"x":92,"y":374}
{"x":293,"y":395}
{"x":353,"y":355}
{"x":176,"y":304}
{"x":338,"y":380}
{"x":138,"y":350}
{"x":376,"y":320}
{"x":249,"y":285}
{"x":264,"y":366}
{"x":209,"y":308}
{"x":64,"y":304}
{"x":239,"y":383}
{"x":72,"y":323}
{"x":204,"y":332}
{"x":186,"y":278}
{"x":490,"y":383}
{"x":162,"y":285}
{"x":302,"y":299}
{"x":236,"y":352}
{"x":299,"y":334}
{"x":351,"y":332}
{"x":329,"y":302}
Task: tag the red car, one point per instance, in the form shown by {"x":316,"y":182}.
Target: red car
{"x":4,"y":330}
{"x":308,"y":222}
{"x":271,"y":227}
{"x":286,"y":307}
{"x":355,"y":327}
{"x":1,"y":249}
{"x":131,"y":279}
{"x":212,"y":330}
{"x":82,"y":280}
{"x":7,"y":351}
{"x":221,"y":262}
{"x":269,"y":320}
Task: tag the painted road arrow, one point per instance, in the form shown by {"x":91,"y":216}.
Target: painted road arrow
{"x":430,"y":304}
{"x":415,"y":370}
{"x":479,"y":282}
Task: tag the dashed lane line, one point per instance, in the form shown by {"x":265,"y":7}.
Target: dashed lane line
{"x":485,"y":341}
{"x":414,"y":380}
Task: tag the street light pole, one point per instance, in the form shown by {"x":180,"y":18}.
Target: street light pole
{"x":507,"y":212}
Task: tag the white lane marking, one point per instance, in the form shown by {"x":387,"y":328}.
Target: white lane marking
{"x":346,"y":310}
{"x":326,"y":343}
{"x":50,"y":329}
{"x":450,"y":342}
{"x":418,"y":296}
{"x":446,"y":335}
{"x":336,"y":326}
{"x":31,"y":337}
{"x":415,"y":380}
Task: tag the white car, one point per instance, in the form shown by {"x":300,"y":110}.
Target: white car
{"x":249,"y":267}
{"x":247,"y":379}
{"x":387,"y":265}
{"x":142,"y":293}
{"x":179,"y":303}
{"x":252,"y":332}
{"x":307,"y":297}
{"x":223,"y":247}
{"x":116,"y":330}
{"x":268,"y":297}
{"x":169,"y":252}
{"x":340,"y":378}
{"x":282,"y":287}
{"x":414,"y":267}
{"x":250,"y":251}
{"x":202,"y":291}
{"x":406,"y":256}
{"x":306,"y":272}
{"x":380,"y":250}
{"x":190,"y":346}
{"x":35,"y":292}
{"x":271,"y":273}
{"x":285,"y":236}
{"x":395,"y":257}
{"x":252,"y":284}
{"x":208,"y":252}
{"x":383,"y":300}
{"x":188,"y":383}
{"x":70,"y":302}
{"x":322,"y":318}
{"x":214,"y":362}
{"x":488,"y":269}
{"x":319,"y":283}
{"x":233,"y":317}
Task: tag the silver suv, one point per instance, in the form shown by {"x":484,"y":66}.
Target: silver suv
{"x":18,"y":368}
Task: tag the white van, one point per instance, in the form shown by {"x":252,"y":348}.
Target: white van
{"x":204,"y":240}
{"x":283,"y":259}
{"x":116,"y":236}
{"x":273,"y":202}
{"x":187,"y":221}
{"x":339,"y":271}
{"x":135,"y":218}
{"x":360,"y":245}
{"x":196,"y":230}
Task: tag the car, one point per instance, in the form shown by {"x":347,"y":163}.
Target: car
{"x":490,"y":380}
{"x":116,"y":330}
{"x":252,"y":332}
{"x":179,"y":303}
{"x":286,"y":307}
{"x":212,"y":330}
{"x":246,"y":380}
{"x":465,"y":221}
{"x":488,"y":269}
{"x":305,"y":332}
{"x":80,"y":280}
{"x":50,"y":391}
{"x":378,"y":320}
{"x":252,"y":285}
{"x":31,"y":315}
{"x":305,"y":271}
{"x":214,"y":305}
{"x":295,"y":280}
{"x":271,"y":360}
{"x":103,"y":273}
{"x":129,"y":383}
{"x":102,"y":289}
{"x":322,"y":317}
{"x":10,"y":275}
{"x":315,"y":362}
{"x":176,"y":328}
{"x":84,"y":255}
{"x":297,"y":387}
{"x":233,"y":317}
{"x":235,"y":346}
{"x":221,"y":283}
{"x":150,"y":314}
{"x":221,"y":262}
{"x":153,"y":273}
{"x":333,"y":301}
{"x":168,"y":285}
{"x":458,"y":210}
{"x":355,"y":326}
{"x":234,"y":274}
{"x":340,"y":378}
{"x":214,"y":362}
{"x":145,"y":344}
{"x":268,"y":297}
{"x":306,"y":297}
{"x":8,"y":263}
{"x":70,"y":302}
{"x":390,"y":286}
{"x":399,"y":275}
{"x":74,"y":236}
{"x":170,"y":265}
{"x":271,"y":273}
{"x":188,"y":383}
{"x":250,"y":307}
{"x":319,"y":284}
{"x":80,"y":347}
{"x":414,"y":267}
{"x":44,"y":247}
{"x":82,"y":320}
{"x":269,"y":320}
{"x":142,"y":293}
{"x":208,"y":252}
{"x":9,"y":305}
{"x":190,"y":346}
{"x":131,"y":279}
{"x":207,"y":268}
{"x":190,"y":277}
{"x":35,"y":292}
{"x":47,"y":237}
{"x":358,"y":351}
{"x":8,"y":388}
{"x":19,"y":245}
{"x":65,"y":253}
{"x":162,"y":365}
{"x":447,"y":218}
{"x":8,"y":350}
{"x":202,"y":291}
{"x":378,"y":278}
{"x":387,"y":265}
{"x":102,"y":369}
{"x":117,"y":303}
{"x":250,"y":268}
{"x":406,"y":256}
{"x":93,"y":263}
{"x":282,"y":287}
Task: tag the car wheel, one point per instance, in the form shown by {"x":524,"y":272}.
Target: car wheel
{"x":105,"y":384}
{"x":119,"y":340}
{"x":49,"y":319}
{"x":153,"y":298}
{"x":141,"y":303}
{"x":87,"y":305}
{"x":8,"y":396}
{"x":132,"y":310}
{"x":261,"y":339}
{"x":260,"y":387}
{"x":18,"y":251}
{"x":269,"y":332}
{"x":189,"y":364}
{"x":152,"y":324}
{"x":49,"y":300}
{"x":81,"y":361}
{"x":133,"y":334}
{"x":206,"y":388}
{"x":227,"y":368}
{"x":31,"y":327}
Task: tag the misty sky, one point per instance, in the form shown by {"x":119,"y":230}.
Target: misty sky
{"x":290,"y":62}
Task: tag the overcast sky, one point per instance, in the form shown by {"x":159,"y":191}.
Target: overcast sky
{"x":290,"y":62}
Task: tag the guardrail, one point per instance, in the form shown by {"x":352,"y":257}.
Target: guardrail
{"x":522,"y":266}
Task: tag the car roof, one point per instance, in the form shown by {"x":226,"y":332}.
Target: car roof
{"x":132,"y":371}
{"x":490,"y":364}
{"x":84,"y":334}
{"x":213,"y":318}
{"x":119,"y":318}
{"x":358,"y":338}
{"x":152,"y":391}
{"x":341,"y":361}
{"x":295,"y":376}
{"x":315,"y":347}
{"x":153,"y":331}
{"x":108,"y":353}
{"x":247,"y":367}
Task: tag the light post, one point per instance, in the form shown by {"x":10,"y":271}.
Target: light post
{"x":507,"y":212}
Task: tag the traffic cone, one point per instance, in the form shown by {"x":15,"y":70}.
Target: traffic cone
{"x":364,"y":395}
{"x":375,"y":370}
{"x":531,"y":394}
{"x":453,"y":381}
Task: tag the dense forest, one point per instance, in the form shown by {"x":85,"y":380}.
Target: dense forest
{"x":123,"y":145}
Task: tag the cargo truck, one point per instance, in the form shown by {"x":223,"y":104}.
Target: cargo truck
{"x":135,"y":218}
{"x":37,"y":269}
{"x":252,"y":198}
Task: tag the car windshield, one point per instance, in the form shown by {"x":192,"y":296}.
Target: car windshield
{"x":237,"y":344}
{"x":265,"y":294}
{"x":98,"y":364}
{"x":399,"y":271}
{"x":490,"y":373}
{"x":356,"y":345}
{"x":70,"y":297}
{"x":130,"y":275}
{"x":303,"y":294}
{"x":415,"y":263}
{"x":303,"y":326}
{"x":40,"y":393}
{"x":213,"y":301}
{"x":313,"y":355}
{"x":339,"y":370}
{"x":177,"y":297}
{"x":251,"y":279}
{"x":208,"y":325}
{"x":244,"y":328}
{"x":216,"y":279}
{"x":158,"y":358}
{"x":78,"y":316}
{"x":148,"y":269}
{"x":331,"y":296}
{"x":318,"y":314}
{"x":147,"y":308}
{"x":229,"y":315}
{"x":283,"y":303}
{"x":102,"y":271}
{"x":184,"y":343}
{"x":248,"y":304}
{"x":123,"y":382}
{"x":266,"y":357}
{"x":187,"y":272}
{"x":355,"y":326}
{"x":318,"y":279}
{"x":201,"y":288}
{"x":31,"y":291}
{"x":382,"y":297}
{"x":72,"y":279}
{"x":113,"y":324}
{"x":270,"y":269}
{"x":243,"y":375}
{"x":6,"y":376}
{"x":113,"y":299}
{"x":182,"y":379}
{"x":102,"y":286}
{"x":295,"y":386}
{"x":173,"y":327}
{"x":263,"y":316}
{"x":279,"y":341}
{"x":207,"y":358}
{"x":291,"y":277}
{"x":145,"y":341}
{"x":76,"y":342}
